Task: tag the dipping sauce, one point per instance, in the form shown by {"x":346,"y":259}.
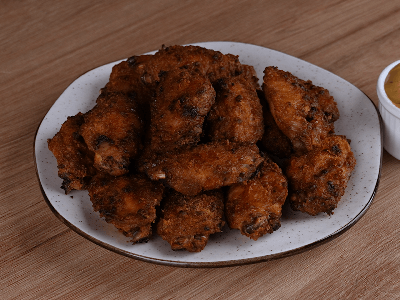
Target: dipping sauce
{"x":392,"y":85}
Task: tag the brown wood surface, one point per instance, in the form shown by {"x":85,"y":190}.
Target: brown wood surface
{"x":45,"y":45}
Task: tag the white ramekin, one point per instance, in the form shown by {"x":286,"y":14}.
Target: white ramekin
{"x":390,"y":115}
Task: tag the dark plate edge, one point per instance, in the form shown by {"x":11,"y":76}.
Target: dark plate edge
{"x":220,"y":263}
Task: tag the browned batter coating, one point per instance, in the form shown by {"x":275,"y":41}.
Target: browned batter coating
{"x":255,"y":207}
{"x":273,"y":141}
{"x":128,"y":202}
{"x":205,"y":167}
{"x":318,"y":179}
{"x":113,"y":130}
{"x":74,"y":160}
{"x":251,"y":75}
{"x":139,"y":74}
{"x":183,"y":98}
{"x":128,"y":77}
{"x":237,"y":113}
{"x":304,"y":112}
{"x":187,"y":222}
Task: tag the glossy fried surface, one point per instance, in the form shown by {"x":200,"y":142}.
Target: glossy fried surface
{"x":183,"y":98}
{"x":113,"y":130}
{"x":128,"y":202}
{"x":237,"y":113}
{"x":304,"y":112}
{"x":318,"y":179}
{"x":205,"y":167}
{"x":273,"y":141}
{"x":188,"y":221}
{"x":255,"y":207}
{"x":74,"y":160}
{"x":138,"y":74}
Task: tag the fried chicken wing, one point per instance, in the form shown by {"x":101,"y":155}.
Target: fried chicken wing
{"x":255,"y":207}
{"x":184,"y":97}
{"x":213,"y":64}
{"x":237,"y":113}
{"x":128,"y":202}
{"x":318,"y":179}
{"x":205,"y":167}
{"x":304,"y":112}
{"x":74,"y":160}
{"x":188,"y":221}
{"x":139,"y":74}
{"x":113,"y":130}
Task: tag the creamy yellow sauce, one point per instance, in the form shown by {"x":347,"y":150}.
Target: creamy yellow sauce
{"x":392,"y":85}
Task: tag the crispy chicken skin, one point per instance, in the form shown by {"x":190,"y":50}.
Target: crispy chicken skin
{"x":128,"y":202}
{"x":113,"y":130}
{"x":255,"y":207}
{"x":139,"y":74}
{"x":251,"y":75}
{"x":304,"y":112}
{"x":74,"y":160}
{"x":237,"y":113}
{"x":128,"y":77}
{"x":188,"y":221}
{"x":205,"y":167}
{"x":273,"y":141}
{"x":318,"y":179}
{"x":183,"y":98}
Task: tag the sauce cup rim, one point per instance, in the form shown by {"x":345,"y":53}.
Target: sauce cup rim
{"x":383,"y":98}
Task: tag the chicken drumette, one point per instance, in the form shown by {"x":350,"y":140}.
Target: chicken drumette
{"x":128,"y":202}
{"x":183,"y":98}
{"x":255,"y":207}
{"x":237,"y":113}
{"x":304,"y":112}
{"x":188,"y":221}
{"x":205,"y":167}
{"x":318,"y":179}
{"x":113,"y":130}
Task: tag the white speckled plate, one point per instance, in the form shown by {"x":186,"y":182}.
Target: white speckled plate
{"x":359,"y":121}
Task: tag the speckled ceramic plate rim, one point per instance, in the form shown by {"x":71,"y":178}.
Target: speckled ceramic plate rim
{"x":228,"y":262}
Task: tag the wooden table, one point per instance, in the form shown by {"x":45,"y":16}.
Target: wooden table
{"x":45,"y":45}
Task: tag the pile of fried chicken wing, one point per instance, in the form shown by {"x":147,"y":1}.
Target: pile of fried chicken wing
{"x":184,"y":140}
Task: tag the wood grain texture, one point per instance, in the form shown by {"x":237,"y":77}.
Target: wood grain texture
{"x":46,"y":45}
